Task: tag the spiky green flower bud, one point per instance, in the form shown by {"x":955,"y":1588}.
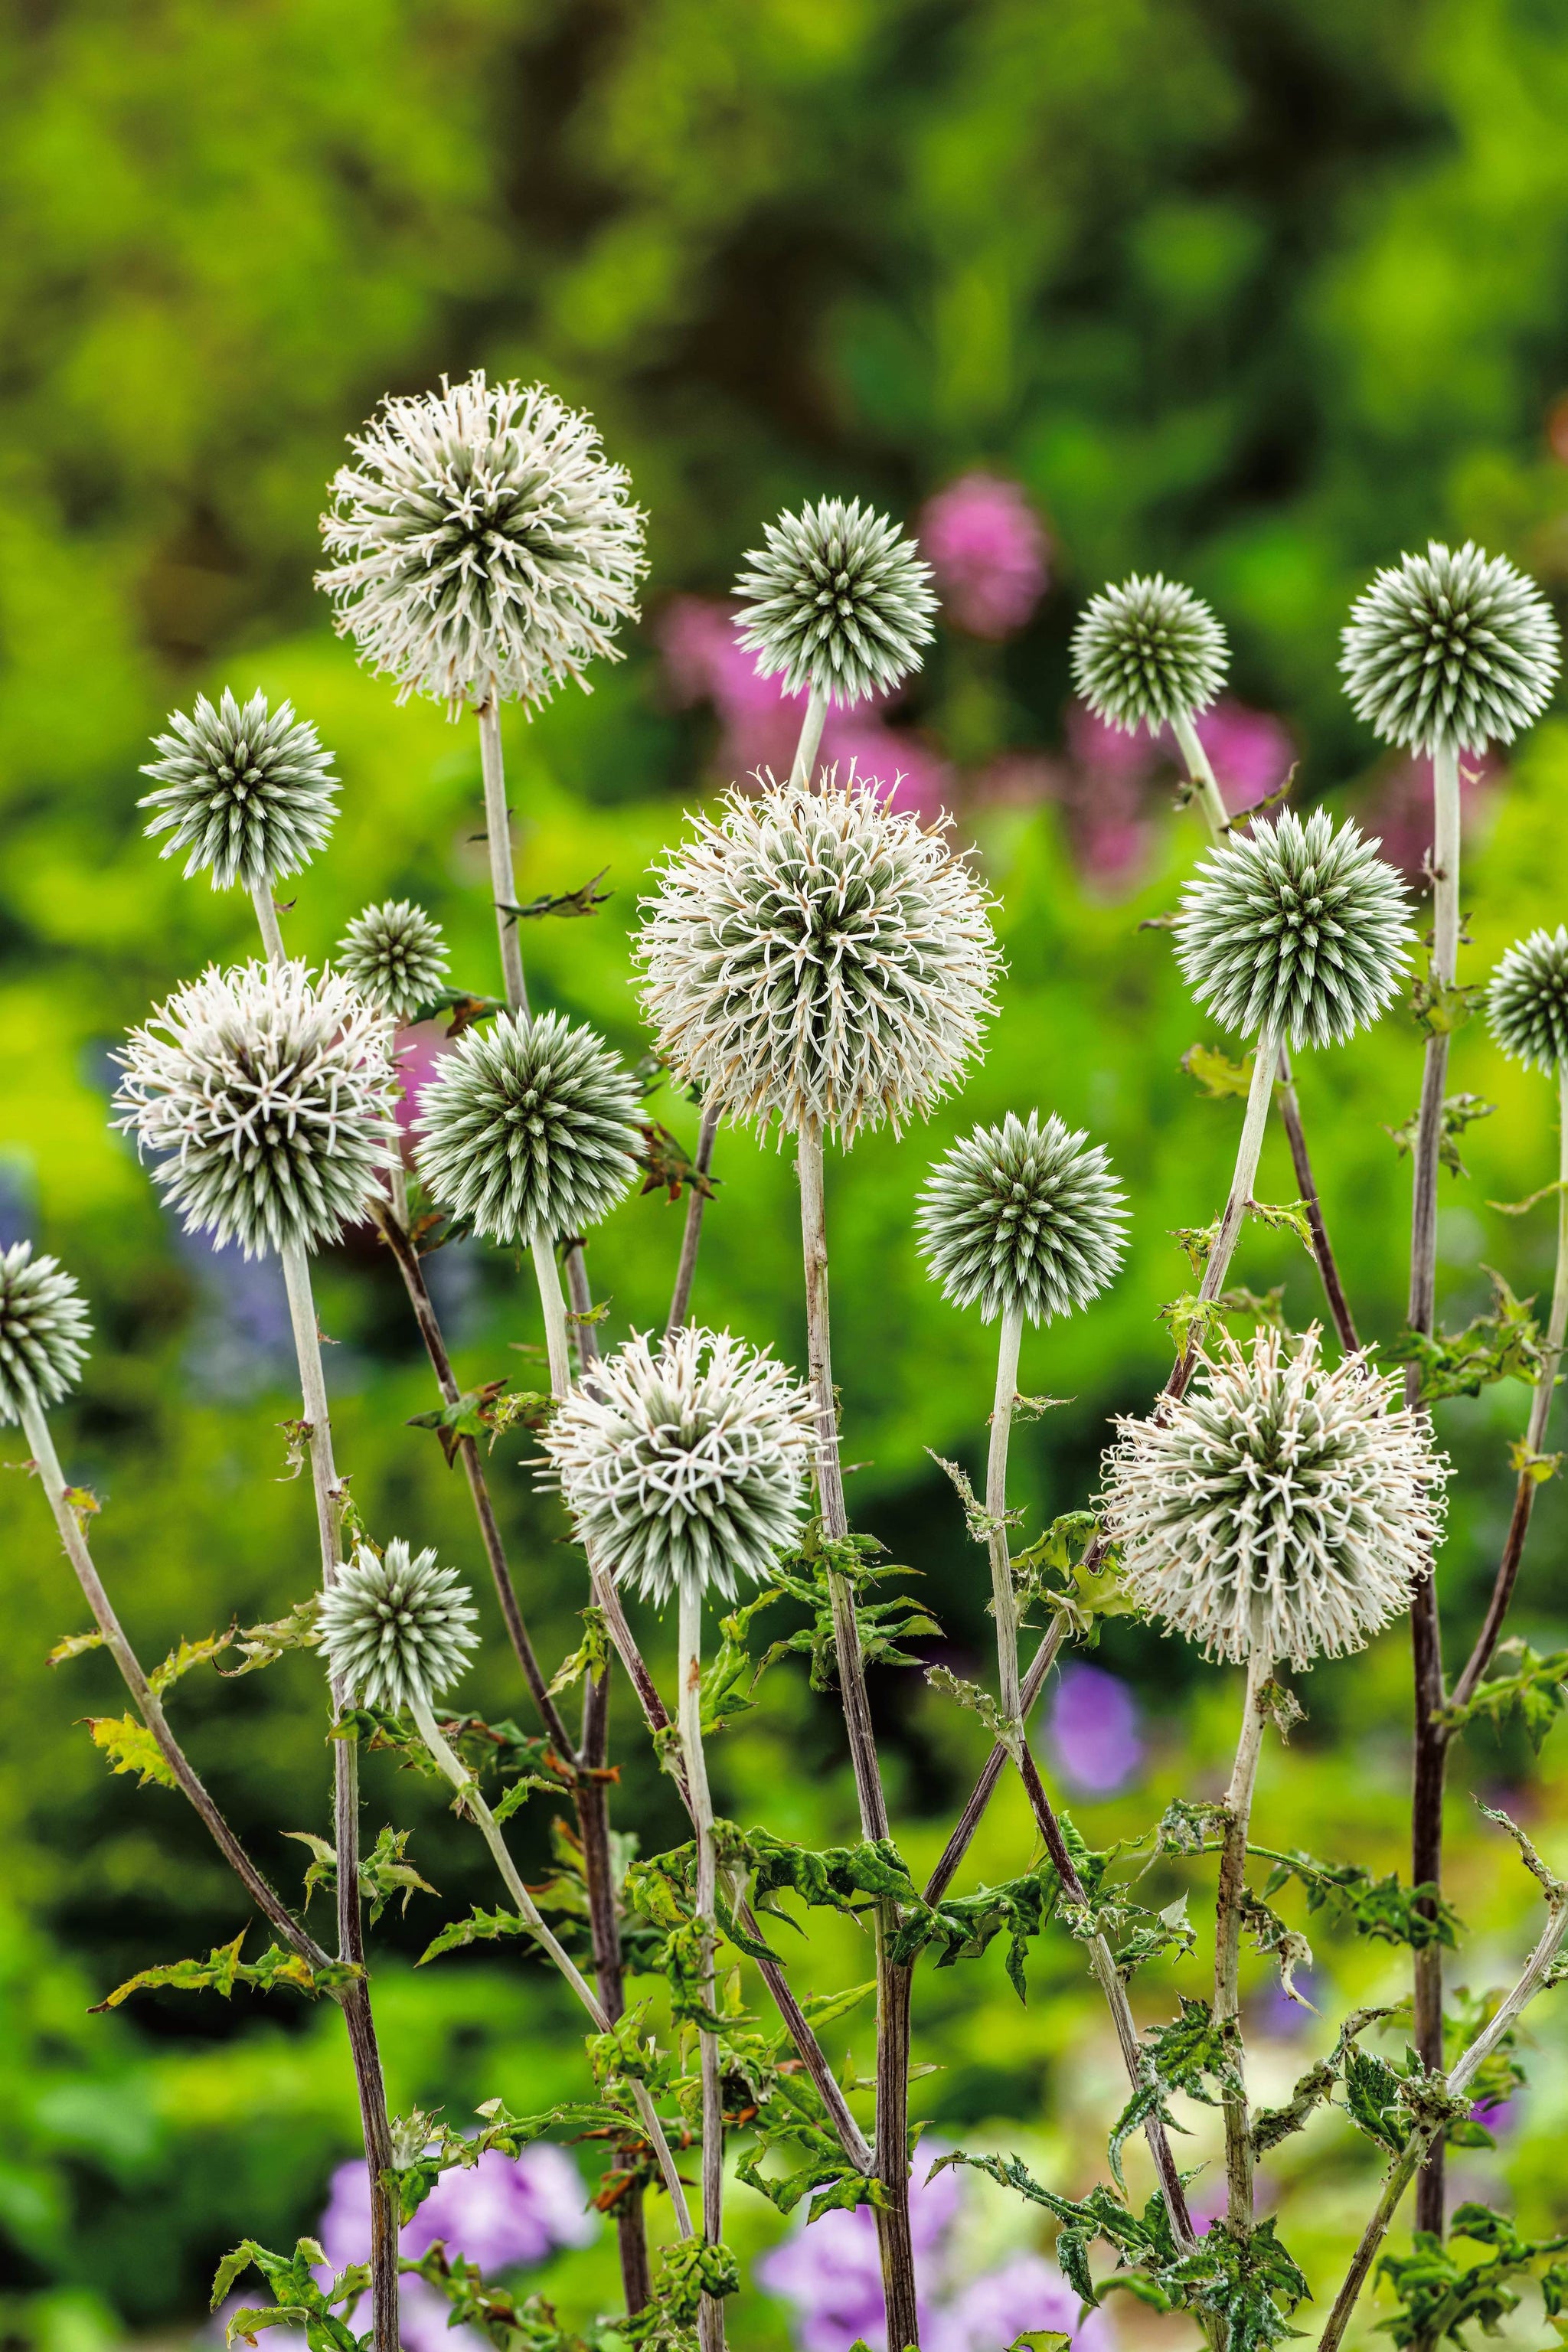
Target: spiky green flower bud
{"x":395,"y":956}
{"x":836,"y":598}
{"x":529,"y":1127}
{"x":1527,"y":1000}
{"x":1295,"y":929}
{"x":1451,"y":648}
{"x":44,"y":1331}
{"x":1147,"y":654}
{"x":398,"y":1629}
{"x":248,"y":793}
{"x":1023,"y":1217}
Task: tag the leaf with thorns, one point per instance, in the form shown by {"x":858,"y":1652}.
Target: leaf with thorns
{"x":1458,"y":1112}
{"x":586,"y":899}
{"x":669,"y":1168}
{"x":1504,"y":1344}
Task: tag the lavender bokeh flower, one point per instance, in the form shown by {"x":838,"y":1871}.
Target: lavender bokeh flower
{"x":988,"y":551}
{"x":1093,"y":1730}
{"x":994,"y":2309}
{"x":1107,"y":785}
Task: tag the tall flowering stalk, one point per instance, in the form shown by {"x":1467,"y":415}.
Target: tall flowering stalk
{"x":1151,"y":654}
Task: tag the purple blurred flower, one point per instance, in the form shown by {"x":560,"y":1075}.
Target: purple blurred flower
{"x":1250,"y":752}
{"x":989,"y":553}
{"x":1094,"y":1730}
{"x":1495,"y":2115}
{"x":1283,"y":2018}
{"x":993,"y":2310}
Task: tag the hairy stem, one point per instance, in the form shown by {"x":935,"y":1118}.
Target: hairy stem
{"x":473,"y":1804}
{"x":1228,"y":1940}
{"x":688,"y":1715}
{"x":980,"y":1796}
{"x":368,"y":2075}
{"x":267,"y":916}
{"x":1201,"y":776}
{"x":1425,"y":1625}
{"x":1248,"y":1148}
{"x":691,"y":1234}
{"x":1003,"y":1596}
{"x":498,"y":831}
{"x":584,"y":1334}
{"x":552,"y":1301}
{"x":1307,"y":1190}
{"x":805,"y":749}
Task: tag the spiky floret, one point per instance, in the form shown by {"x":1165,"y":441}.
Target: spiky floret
{"x":1453,"y":647}
{"x":1146,"y":653}
{"x":1025,"y":1216}
{"x":529,"y":1127}
{"x":1280,"y":1504}
{"x":817,"y":958}
{"x":687,"y":1463}
{"x":267,"y":1094}
{"x":395,"y":956}
{"x":1527,"y":1000}
{"x":247,"y":793}
{"x":835,"y":598}
{"x":397,"y":1629}
{"x":44,"y":1331}
{"x":1295,"y":929}
{"x":485,"y":544}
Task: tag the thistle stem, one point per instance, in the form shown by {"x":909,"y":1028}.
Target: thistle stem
{"x":810,"y":736}
{"x":691,"y":1236}
{"x":498,"y":831}
{"x":1238,"y":2164}
{"x":267,"y":916}
{"x":1003,"y":1596}
{"x":980,"y":1796}
{"x":480,"y":1812}
{"x":553,"y":1300}
{"x":1425,"y":1626}
{"x":1306,"y":1187}
{"x":345,"y":1785}
{"x":688,"y":1715}
{"x":1201,"y":776}
{"x":1265,"y":1065}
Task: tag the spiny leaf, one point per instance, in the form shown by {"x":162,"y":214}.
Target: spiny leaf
{"x":130,"y":1747}
{"x":263,"y":1645}
{"x":223,"y":1970}
{"x":1458,"y":1112}
{"x":1216,"y":1076}
{"x":1502,"y":1345}
{"x":590,"y":1657}
{"x":74,"y":1646}
{"x":186,"y":1655}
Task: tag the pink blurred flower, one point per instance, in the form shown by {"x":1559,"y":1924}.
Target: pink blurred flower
{"x":1250,"y":752}
{"x":1093,"y":1730}
{"x":1398,"y":809}
{"x":989,"y":553}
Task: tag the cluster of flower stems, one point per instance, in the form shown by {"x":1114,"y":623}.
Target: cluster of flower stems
{"x":883,"y":2157}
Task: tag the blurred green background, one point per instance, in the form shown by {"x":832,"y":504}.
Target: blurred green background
{"x":1257,"y":291}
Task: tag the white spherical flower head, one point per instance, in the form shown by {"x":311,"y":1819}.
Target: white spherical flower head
{"x":395,"y":956}
{"x":399,"y":1630}
{"x":1280,"y":1505}
{"x":1148,"y":653}
{"x":269,"y":1097}
{"x":1024,"y":1217}
{"x":1453,"y":647}
{"x":246,"y":793}
{"x":685,"y":1466}
{"x":835,"y":598}
{"x":44,"y":1331}
{"x":1296,"y":930}
{"x":485,"y":544}
{"x":1527,"y":1000}
{"x":529,"y":1127}
{"x":817,"y":958}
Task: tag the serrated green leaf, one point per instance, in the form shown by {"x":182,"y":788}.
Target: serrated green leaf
{"x":130,"y":1747}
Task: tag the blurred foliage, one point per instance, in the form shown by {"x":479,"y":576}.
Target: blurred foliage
{"x":1260,"y":290}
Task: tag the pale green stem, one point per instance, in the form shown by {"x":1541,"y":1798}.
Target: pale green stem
{"x":498,"y":832}
{"x":552,"y":1299}
{"x":1228,"y":1937}
{"x":1003,"y":1596}
{"x":267,"y":916}
{"x":1201,"y":776}
{"x":810,"y":736}
{"x":1557,"y":1322}
{"x":688,"y":1719}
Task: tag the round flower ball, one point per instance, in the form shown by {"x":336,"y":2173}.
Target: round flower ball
{"x":1025,"y":1218}
{"x":817,"y":958}
{"x":246,"y":793}
{"x":395,"y":956}
{"x":1451,"y":648}
{"x":1295,"y":929}
{"x":1280,"y":1506}
{"x":44,"y":1332}
{"x":529,"y":1127}
{"x":485,"y":545}
{"x":1527,"y":1000}
{"x":1148,"y":654}
{"x":267,"y":1096}
{"x":396,"y":1631}
{"x":686,"y":1466}
{"x":837,"y":599}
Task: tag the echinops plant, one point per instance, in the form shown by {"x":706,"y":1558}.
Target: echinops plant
{"x":816,"y":961}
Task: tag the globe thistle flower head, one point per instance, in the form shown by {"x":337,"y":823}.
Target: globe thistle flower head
{"x":529,"y":1127}
{"x":44,"y":1331}
{"x":397,"y":1630}
{"x":395,"y":956}
{"x":1527,"y":1000}
{"x":268,"y":1095}
{"x":687,"y":1465}
{"x":1294,"y":930}
{"x":247,"y":792}
{"x":1280,"y":1505}
{"x":837,"y":598}
{"x":485,"y":545}
{"x":1148,"y":653}
{"x":1453,"y":647}
{"x":1024,"y":1217}
{"x":817,"y":958}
